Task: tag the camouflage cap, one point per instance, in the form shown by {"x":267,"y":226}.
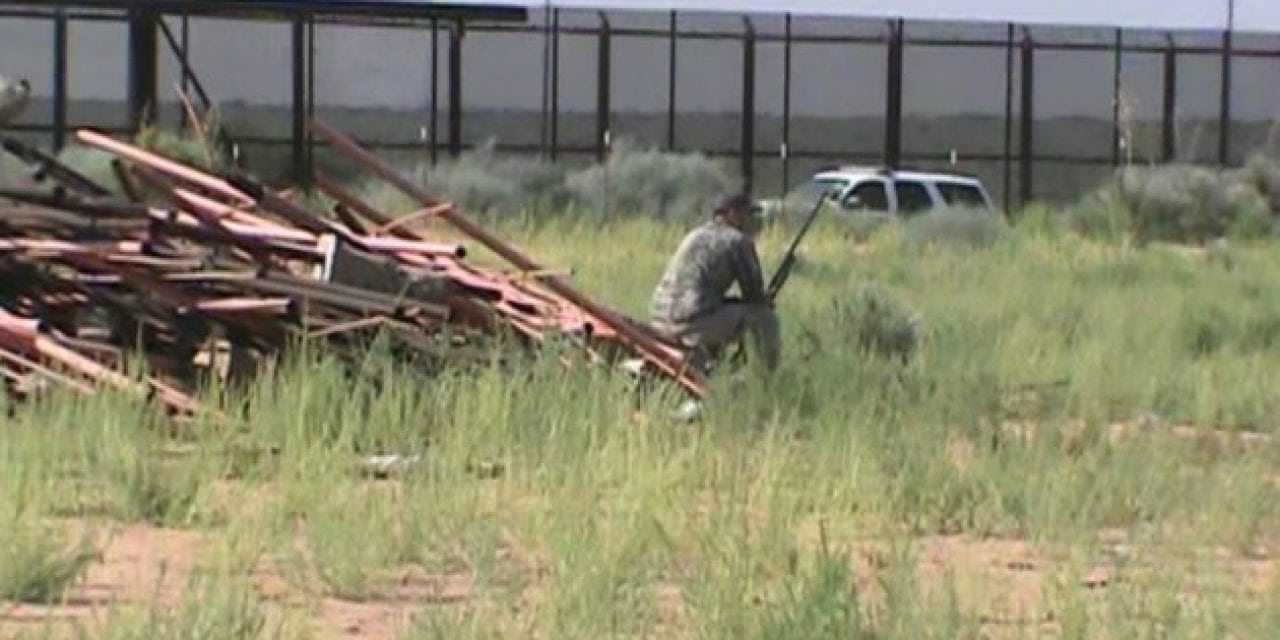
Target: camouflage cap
{"x":736,"y":202}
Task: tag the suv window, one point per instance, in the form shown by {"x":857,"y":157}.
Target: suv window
{"x":913,"y":197}
{"x":961,"y":195}
{"x":867,"y":196}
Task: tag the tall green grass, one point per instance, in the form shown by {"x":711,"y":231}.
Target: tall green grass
{"x":804,"y":504}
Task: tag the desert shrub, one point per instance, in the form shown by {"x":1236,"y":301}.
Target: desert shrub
{"x":954,"y":225}
{"x":876,"y":323}
{"x":632,"y":181}
{"x":651,"y":183}
{"x":484,"y":182}
{"x":203,"y":149}
{"x":1183,"y":203}
{"x":93,"y":163}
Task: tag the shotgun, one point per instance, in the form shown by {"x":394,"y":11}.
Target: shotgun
{"x":783,"y":273}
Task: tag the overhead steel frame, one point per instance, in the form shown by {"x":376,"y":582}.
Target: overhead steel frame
{"x":145,"y":23}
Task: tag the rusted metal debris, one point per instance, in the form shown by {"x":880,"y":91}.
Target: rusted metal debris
{"x":205,"y":264}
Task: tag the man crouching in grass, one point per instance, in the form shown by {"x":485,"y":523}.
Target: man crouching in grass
{"x":690,"y":306}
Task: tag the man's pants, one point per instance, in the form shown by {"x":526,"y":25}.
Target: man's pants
{"x":707,"y":335}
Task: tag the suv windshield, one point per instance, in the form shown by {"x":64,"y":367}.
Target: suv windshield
{"x":961,"y":195}
{"x":816,"y":187}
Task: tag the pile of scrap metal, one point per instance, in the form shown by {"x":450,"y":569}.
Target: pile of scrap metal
{"x":187,"y":268}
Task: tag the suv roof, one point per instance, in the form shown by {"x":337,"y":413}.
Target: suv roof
{"x":855,"y":172}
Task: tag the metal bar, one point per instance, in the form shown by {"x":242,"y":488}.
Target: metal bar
{"x":1224,"y":120}
{"x":604,"y":68}
{"x":786,"y":106}
{"x":1027,"y":117}
{"x":433,"y":126}
{"x":47,"y":166}
{"x":837,"y":39}
{"x":1169,"y":112}
{"x":544,"y":105}
{"x":1008,"y":118}
{"x":179,"y":51}
{"x":164,"y":165}
{"x":187,"y":76}
{"x":60,"y":43}
{"x":555,"y":83}
{"x":143,"y":65}
{"x":455,"y":89}
{"x":298,"y":54}
{"x":748,"y":104}
{"x":311,"y":101}
{"x":893,"y":98}
{"x":45,"y":371}
{"x":671,"y":83}
{"x":1116,"y":88}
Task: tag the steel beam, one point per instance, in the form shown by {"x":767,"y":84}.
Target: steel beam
{"x":555,"y":84}
{"x":433,"y":127}
{"x":785,"y":151}
{"x":748,"y":105}
{"x":1008,"y":119}
{"x":143,"y":66}
{"x":1169,"y":119}
{"x":1117,"y":137}
{"x":60,"y":44}
{"x":604,"y":68}
{"x":1027,"y":117}
{"x":298,"y":57}
{"x":672,"y":41}
{"x":455,"y":89}
{"x":893,"y":98}
{"x":1224,"y":117}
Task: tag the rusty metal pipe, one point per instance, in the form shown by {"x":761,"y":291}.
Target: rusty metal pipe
{"x":646,"y":346}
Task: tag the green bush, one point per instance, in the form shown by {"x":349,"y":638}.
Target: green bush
{"x":652,"y":183}
{"x":1183,"y":203}
{"x":483,"y":182}
{"x":954,"y":225}
{"x":632,"y":181}
{"x":876,"y":323}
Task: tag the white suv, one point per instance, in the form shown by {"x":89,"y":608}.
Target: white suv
{"x":874,"y":193}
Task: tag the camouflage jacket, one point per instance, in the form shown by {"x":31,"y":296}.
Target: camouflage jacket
{"x":709,"y":261}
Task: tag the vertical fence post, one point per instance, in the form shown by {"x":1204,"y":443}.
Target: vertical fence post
{"x":544,"y":105}
{"x":299,"y":97}
{"x":786,"y":106}
{"x":1117,"y":134}
{"x":309,"y":167}
{"x":603,"y":81}
{"x":671,"y":82}
{"x":1027,"y":117}
{"x":142,"y":70}
{"x":433,"y":127}
{"x":1008,"y":118}
{"x":893,"y":98}
{"x":555,"y":84}
{"x":1224,"y":118}
{"x":748,"y":150}
{"x":1169,"y":111}
{"x":186,"y":53}
{"x":60,"y":43}
{"x":455,"y":88}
